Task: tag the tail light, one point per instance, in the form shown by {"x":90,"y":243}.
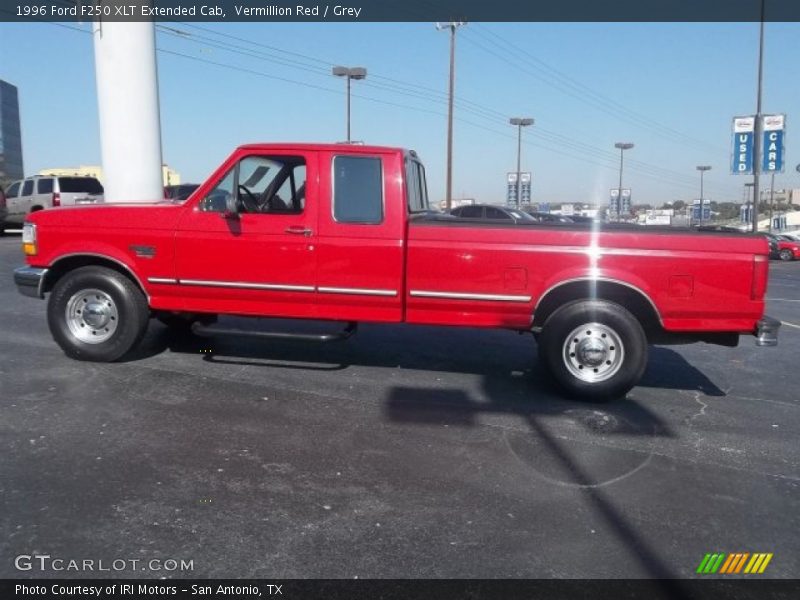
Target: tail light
{"x":56,"y":199}
{"x":760,"y":277}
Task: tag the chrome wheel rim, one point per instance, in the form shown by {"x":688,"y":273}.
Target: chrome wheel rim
{"x":593,"y":352}
{"x":92,"y":316}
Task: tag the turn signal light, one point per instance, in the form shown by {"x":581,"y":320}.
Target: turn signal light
{"x":29,"y":245}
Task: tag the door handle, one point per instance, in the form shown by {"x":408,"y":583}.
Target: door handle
{"x":299,"y":230}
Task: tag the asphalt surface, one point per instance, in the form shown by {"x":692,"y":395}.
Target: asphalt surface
{"x":402,"y":452}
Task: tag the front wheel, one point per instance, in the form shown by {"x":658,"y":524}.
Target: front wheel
{"x":97,"y":314}
{"x":786,"y":254}
{"x":595,"y":349}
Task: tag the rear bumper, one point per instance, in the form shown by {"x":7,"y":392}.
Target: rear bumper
{"x":30,"y":281}
{"x":767,"y":331}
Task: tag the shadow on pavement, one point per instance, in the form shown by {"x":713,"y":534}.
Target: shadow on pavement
{"x":433,"y":349}
{"x":570,"y":462}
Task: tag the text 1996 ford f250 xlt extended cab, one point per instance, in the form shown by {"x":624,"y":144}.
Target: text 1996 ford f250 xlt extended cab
{"x":344,"y":233}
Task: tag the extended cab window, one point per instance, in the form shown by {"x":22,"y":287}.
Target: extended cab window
{"x":357,"y":189}
{"x":262,"y":185}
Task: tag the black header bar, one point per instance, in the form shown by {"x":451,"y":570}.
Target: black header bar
{"x":401,"y":10}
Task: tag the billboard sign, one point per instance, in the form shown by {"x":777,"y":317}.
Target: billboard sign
{"x":773,"y":127}
{"x":743,"y":142}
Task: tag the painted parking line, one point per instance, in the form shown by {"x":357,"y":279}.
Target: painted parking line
{"x":791,"y":324}
{"x":782,"y":300}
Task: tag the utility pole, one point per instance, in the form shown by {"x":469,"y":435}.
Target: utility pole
{"x":757,"y":149}
{"x":452,"y":26}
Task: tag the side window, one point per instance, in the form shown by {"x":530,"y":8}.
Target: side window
{"x":27,"y":188}
{"x":291,"y":195}
{"x":472,"y":212}
{"x":262,"y":185}
{"x":357,"y":189}
{"x":496,"y":213}
{"x":13,"y":191}
{"x":44,"y":186}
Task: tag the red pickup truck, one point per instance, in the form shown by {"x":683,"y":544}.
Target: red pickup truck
{"x":345,"y":233}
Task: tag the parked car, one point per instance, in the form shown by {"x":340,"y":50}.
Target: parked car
{"x":492,"y":212}
{"x":772,"y":240}
{"x":344,"y":234}
{"x":3,"y":211}
{"x":39,"y":192}
{"x":788,"y":248}
{"x":181,"y":192}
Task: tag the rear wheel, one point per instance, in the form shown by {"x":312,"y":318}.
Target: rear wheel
{"x":786,"y":254}
{"x":97,"y":314}
{"x":595,"y":349}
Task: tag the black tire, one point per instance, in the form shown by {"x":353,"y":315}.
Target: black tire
{"x":595,"y":349}
{"x":97,"y":314}
{"x":786,"y":254}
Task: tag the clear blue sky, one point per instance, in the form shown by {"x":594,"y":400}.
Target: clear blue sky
{"x":670,"y":88}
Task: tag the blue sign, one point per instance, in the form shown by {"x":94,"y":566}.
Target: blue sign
{"x":743,"y":142}
{"x":773,"y":152}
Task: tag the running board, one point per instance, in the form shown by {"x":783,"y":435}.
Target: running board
{"x":213,"y":330}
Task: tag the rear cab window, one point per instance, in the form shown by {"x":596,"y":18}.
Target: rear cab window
{"x":85,"y":185}
{"x":27,"y":188}
{"x":416,"y":186}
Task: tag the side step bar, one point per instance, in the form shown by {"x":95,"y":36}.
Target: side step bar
{"x":213,"y":330}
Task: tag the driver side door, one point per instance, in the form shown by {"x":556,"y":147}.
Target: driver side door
{"x":260,"y":260}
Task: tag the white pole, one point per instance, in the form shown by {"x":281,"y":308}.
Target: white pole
{"x":127,"y":98}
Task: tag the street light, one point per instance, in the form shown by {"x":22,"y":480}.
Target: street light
{"x":520,"y":122}
{"x":349,"y":73}
{"x":451,"y":26}
{"x":622,"y":147}
{"x":702,"y":169}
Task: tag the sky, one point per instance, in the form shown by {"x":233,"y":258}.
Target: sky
{"x":672,"y":89}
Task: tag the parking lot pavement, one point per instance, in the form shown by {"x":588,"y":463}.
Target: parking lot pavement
{"x":403,"y":452}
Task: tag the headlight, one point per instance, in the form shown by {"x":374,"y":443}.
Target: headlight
{"x":29,"y":246}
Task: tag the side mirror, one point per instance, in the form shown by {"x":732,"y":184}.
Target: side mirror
{"x":231,"y":208}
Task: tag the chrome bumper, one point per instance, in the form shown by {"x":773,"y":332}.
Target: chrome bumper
{"x":767,"y":331}
{"x":30,"y":281}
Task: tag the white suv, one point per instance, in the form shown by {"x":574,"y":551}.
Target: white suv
{"x":40,"y":192}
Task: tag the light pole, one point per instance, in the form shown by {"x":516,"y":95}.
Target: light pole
{"x":622,"y":147}
{"x":702,"y":169}
{"x":520,"y":122}
{"x":771,"y":198}
{"x":349,"y":73}
{"x":452,"y":26}
{"x":757,"y":149}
